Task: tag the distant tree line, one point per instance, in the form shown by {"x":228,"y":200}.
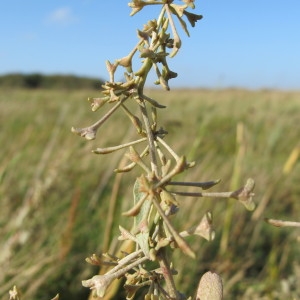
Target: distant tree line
{"x":37,"y":80}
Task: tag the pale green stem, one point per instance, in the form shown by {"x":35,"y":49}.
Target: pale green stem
{"x":115,"y":148}
{"x":150,"y":137}
{"x":168,"y":148}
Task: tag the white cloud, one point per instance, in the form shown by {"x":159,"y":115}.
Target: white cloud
{"x":61,"y":16}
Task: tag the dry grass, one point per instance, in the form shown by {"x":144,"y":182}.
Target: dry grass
{"x":55,"y":194}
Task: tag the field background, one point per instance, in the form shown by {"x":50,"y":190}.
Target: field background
{"x":55,"y":194}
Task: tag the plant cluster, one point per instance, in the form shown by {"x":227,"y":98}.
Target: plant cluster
{"x":155,"y":191}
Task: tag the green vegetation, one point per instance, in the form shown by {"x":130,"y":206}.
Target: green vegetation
{"x":37,"y":80}
{"x":51,"y":185}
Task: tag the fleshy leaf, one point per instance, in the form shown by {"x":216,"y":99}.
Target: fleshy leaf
{"x":210,"y":287}
{"x":141,"y":219}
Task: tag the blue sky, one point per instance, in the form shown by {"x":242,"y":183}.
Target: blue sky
{"x":250,"y":44}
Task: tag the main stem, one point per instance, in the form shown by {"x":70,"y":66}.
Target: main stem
{"x":150,"y":137}
{"x":165,"y":267}
{"x":161,"y":256}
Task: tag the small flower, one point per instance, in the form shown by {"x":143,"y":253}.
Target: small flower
{"x":192,"y":18}
{"x":168,"y":74}
{"x":189,"y":3}
{"x":88,"y":132}
{"x":14,"y":294}
{"x":204,"y":228}
{"x":111,"y":68}
{"x":96,"y":103}
{"x":136,"y":6}
{"x":126,"y":62}
{"x":150,"y":26}
{"x":99,"y":283}
{"x":94,"y":260}
{"x":113,"y":96}
{"x":143,"y":35}
{"x":179,"y":9}
{"x":245,"y":194}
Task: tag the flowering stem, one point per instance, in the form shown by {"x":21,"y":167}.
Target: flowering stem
{"x":126,"y":260}
{"x":150,"y":137}
{"x":281,"y":223}
{"x":204,"y":185}
{"x":126,"y":269}
{"x":115,"y":148}
{"x":168,"y":148}
{"x":212,"y":195}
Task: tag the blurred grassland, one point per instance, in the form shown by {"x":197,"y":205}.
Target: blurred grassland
{"x":55,"y":194}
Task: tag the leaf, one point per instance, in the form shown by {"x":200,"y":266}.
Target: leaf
{"x":141,"y":219}
{"x":210,"y":287}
